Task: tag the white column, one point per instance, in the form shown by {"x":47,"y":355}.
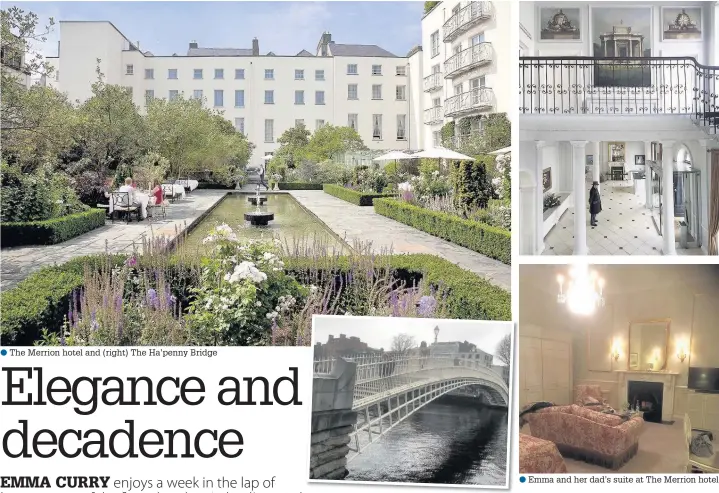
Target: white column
{"x":539,"y":198}
{"x":648,"y":173}
{"x":668,"y":236}
{"x":596,"y":166}
{"x":580,"y":198}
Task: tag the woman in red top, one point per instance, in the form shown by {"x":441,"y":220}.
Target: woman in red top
{"x":157,"y":192}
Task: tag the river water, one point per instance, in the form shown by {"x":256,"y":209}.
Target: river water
{"x":444,"y":442}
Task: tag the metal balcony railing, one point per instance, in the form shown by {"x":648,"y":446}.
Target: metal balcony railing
{"x":620,"y":86}
{"x":472,"y":14}
{"x":433,"y":115}
{"x":433,"y":82}
{"x":467,"y":59}
{"x":472,"y":101}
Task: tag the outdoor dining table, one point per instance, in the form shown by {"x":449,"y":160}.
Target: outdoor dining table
{"x":191,"y":184}
{"x":177,"y":189}
{"x":140,"y":198}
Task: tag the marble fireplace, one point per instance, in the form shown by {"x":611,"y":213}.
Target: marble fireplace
{"x":665,"y":400}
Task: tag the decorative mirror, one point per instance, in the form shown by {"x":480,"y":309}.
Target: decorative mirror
{"x":648,"y":345}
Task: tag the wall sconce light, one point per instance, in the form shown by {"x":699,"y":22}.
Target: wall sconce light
{"x":681,"y":354}
{"x":615,"y":354}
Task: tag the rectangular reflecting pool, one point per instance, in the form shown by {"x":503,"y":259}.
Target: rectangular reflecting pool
{"x":292,"y":223}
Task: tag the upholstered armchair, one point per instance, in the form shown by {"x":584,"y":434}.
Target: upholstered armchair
{"x":590,"y":396}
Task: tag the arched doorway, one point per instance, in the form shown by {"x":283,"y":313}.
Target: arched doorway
{"x":687,"y":199}
{"x":527,"y":213}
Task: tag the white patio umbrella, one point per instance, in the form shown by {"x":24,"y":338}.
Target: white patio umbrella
{"x":504,"y":150}
{"x":393,"y":156}
{"x":442,"y":153}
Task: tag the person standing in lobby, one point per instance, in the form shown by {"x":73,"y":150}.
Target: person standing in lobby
{"x":595,"y":203}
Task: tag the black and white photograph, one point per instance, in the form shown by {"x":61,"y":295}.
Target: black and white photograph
{"x":408,"y":400}
{"x":559,"y":24}
{"x":681,"y":24}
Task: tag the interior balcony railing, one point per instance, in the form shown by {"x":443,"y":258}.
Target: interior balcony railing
{"x":433,"y":82}
{"x":479,"y":99}
{"x":620,"y":86}
{"x":433,"y":115}
{"x":467,"y":59}
{"x":465,"y":18}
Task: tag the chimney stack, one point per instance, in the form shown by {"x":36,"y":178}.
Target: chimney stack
{"x":193,"y":44}
{"x":255,"y":47}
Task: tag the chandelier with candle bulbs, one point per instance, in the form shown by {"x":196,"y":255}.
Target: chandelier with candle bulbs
{"x":582,"y":291}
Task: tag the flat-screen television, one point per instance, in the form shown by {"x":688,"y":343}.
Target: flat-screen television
{"x":706,"y":379}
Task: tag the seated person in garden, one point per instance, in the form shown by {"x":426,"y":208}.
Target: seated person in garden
{"x":129,"y":189}
{"x":157,"y":194}
{"x":134,"y":198}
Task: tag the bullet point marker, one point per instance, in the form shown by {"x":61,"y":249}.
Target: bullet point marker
{"x":3,"y":352}
{"x":522,"y":479}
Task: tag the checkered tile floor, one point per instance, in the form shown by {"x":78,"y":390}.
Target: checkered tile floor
{"x":624,"y":227}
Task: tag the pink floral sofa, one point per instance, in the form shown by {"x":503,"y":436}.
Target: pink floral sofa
{"x":537,"y":456}
{"x":581,"y":433}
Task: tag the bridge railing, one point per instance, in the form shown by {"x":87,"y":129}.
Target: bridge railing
{"x":385,"y":373}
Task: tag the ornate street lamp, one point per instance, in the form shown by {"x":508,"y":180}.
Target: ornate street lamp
{"x":436,"y":333}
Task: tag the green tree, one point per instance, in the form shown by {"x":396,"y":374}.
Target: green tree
{"x":429,"y":6}
{"x":110,"y":130}
{"x":195,"y":139}
{"x":293,"y":145}
{"x":496,"y":133}
{"x":471,"y":183}
{"x":330,"y":142}
{"x":35,"y":123}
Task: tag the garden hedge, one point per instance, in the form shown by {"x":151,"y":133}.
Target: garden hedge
{"x":353,"y":196}
{"x":41,"y":301}
{"x":299,"y":186}
{"x":51,"y":231}
{"x":493,"y":242}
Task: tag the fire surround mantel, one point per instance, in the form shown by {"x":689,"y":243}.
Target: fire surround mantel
{"x":669,"y":379}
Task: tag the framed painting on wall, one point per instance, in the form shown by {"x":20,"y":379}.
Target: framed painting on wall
{"x":633,"y":360}
{"x":619,"y":37}
{"x":547,"y":179}
{"x":559,"y":24}
{"x":639,"y":160}
{"x":681,"y":24}
{"x":616,"y":152}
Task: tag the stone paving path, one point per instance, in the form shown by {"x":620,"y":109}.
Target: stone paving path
{"x":363,"y":224}
{"x":19,"y":262}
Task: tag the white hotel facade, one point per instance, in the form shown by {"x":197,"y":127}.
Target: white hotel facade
{"x":383,"y":96}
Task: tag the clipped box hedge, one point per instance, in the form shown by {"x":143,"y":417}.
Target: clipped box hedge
{"x":41,"y":301}
{"x":353,"y":196}
{"x":299,"y":186}
{"x":51,"y":231}
{"x":488,"y":240}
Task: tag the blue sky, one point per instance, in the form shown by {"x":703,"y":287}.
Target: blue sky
{"x":285,"y":28}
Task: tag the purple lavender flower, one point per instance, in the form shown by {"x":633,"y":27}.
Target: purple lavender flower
{"x":152,"y":299}
{"x":63,"y":342}
{"x":394,"y":303}
{"x":131,"y":262}
{"x":427,"y":305}
{"x":94,"y":325}
{"x":407,"y":196}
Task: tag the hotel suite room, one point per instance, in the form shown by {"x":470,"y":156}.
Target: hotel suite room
{"x":627,"y":360}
